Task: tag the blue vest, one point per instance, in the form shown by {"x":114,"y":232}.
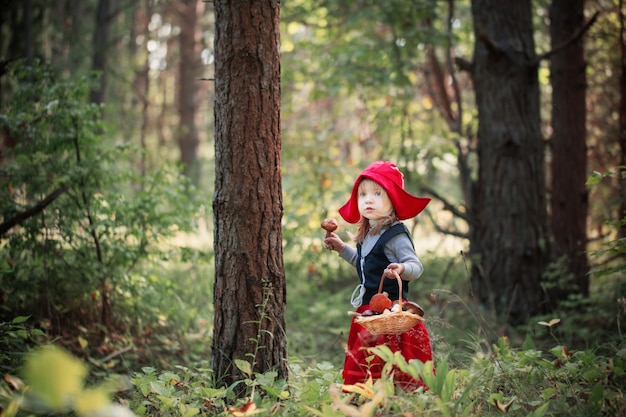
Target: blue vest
{"x":375,"y":263}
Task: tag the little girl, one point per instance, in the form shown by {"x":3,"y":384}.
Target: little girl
{"x":383,"y":244}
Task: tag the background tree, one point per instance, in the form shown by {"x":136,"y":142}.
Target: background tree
{"x":621,"y":214}
{"x":511,"y":249}
{"x":101,"y":47}
{"x":568,"y":192}
{"x":249,"y":292}
{"x":189,"y":86}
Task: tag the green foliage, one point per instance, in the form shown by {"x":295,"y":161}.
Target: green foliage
{"x":15,"y":338}
{"x":182,"y":392}
{"x":362,"y":43}
{"x":567,"y":382}
{"x":54,"y":383}
{"x":96,"y":252}
{"x":188,"y":392}
{"x":519,"y":382}
{"x":103,"y":220}
{"x":612,"y":249}
{"x":500,"y":379}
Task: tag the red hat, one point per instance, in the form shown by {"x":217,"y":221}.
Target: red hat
{"x":391,"y":179}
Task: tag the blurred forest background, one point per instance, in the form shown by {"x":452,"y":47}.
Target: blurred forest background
{"x":107,"y":171}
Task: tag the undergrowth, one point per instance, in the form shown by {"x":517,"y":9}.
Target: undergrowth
{"x":564,"y":364}
{"x":521,"y":381}
{"x":480,"y":368}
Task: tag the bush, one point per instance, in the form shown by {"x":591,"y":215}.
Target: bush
{"x":81,"y":227}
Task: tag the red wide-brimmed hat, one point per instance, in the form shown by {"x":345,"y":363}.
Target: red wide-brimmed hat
{"x":391,"y":179}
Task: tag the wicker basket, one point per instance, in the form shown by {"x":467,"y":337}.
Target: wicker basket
{"x":390,"y":322}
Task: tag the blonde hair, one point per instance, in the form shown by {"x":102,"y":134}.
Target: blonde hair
{"x":364,"y":224}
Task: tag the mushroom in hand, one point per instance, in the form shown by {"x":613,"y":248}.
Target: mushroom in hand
{"x":330,"y":225}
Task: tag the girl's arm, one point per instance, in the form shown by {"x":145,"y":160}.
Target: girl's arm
{"x":400,"y":252}
{"x":349,"y":254}
{"x":334,"y":242}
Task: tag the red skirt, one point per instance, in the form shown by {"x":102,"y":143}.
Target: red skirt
{"x":414,"y":344}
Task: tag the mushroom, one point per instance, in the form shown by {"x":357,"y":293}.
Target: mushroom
{"x":380,"y":302}
{"x":330,"y":225}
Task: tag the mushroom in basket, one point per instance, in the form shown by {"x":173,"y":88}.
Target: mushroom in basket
{"x":410,"y":307}
{"x":380,"y":302}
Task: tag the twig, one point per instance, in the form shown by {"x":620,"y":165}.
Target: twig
{"x":117,"y":353}
{"x":447,"y":205}
{"x":34,"y":210}
{"x":580,"y":32}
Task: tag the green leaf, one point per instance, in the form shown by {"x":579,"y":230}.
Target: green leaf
{"x":267,"y":379}
{"x":449,"y":386}
{"x":188,"y":411}
{"x":83,"y":342}
{"x":310,"y":392}
{"x":55,"y":376}
{"x":428,"y":376}
{"x":596,"y":398}
{"x":547,"y":393}
{"x":540,"y":412}
{"x":528,"y":343}
{"x":19,"y":319}
{"x":244,"y":366}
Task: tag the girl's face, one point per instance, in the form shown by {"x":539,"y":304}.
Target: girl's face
{"x":374,"y":203}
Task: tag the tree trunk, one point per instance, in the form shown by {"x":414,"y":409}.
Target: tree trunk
{"x":569,"y":201}
{"x":29,"y":42}
{"x":249,"y":290}
{"x":190,"y":69}
{"x":100,"y":48}
{"x":511,"y":238}
{"x":621,"y":214}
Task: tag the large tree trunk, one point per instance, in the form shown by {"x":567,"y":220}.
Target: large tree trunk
{"x":249,"y":273}
{"x":511,"y":238}
{"x":568,"y":144}
{"x":190,"y":69}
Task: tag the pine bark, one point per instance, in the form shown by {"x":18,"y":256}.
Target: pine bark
{"x":249,"y":291}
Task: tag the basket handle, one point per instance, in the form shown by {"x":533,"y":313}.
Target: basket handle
{"x":380,"y":286}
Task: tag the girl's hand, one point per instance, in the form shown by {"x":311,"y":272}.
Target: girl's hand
{"x":388,"y":273}
{"x":333,"y":242}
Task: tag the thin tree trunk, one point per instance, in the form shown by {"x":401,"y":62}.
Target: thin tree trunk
{"x":29,"y":46}
{"x":622,"y":120}
{"x":100,"y":46}
{"x":249,"y":290}
{"x":142,"y":85}
{"x":569,"y":202}
{"x":511,"y":231}
{"x":190,"y":70}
